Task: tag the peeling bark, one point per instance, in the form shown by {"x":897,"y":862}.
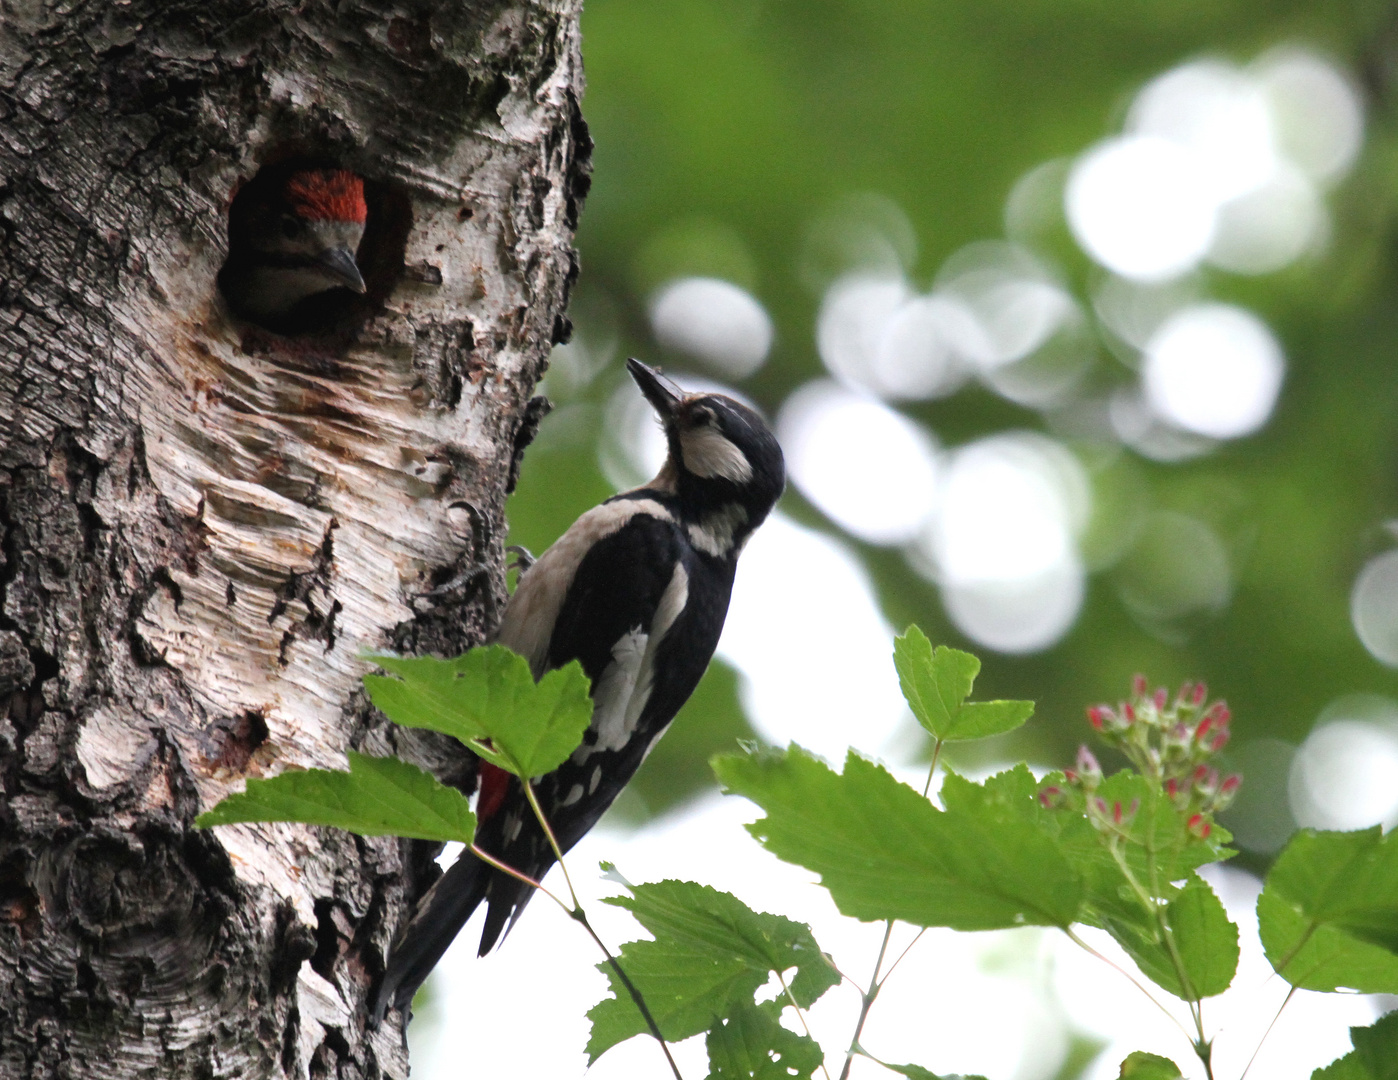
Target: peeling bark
{"x":204,"y":525}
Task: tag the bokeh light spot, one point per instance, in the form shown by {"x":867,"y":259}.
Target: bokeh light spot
{"x":1213,"y":369}
{"x":714,"y":321}
{"x":1345,"y":775}
{"x":1140,"y":206}
{"x":1003,"y":541}
{"x":867,"y":467}
{"x":1373,"y":607}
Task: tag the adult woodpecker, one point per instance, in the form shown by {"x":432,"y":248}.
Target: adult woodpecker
{"x":292,"y":238}
{"x":637,"y":590}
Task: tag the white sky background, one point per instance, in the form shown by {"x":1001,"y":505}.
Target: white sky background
{"x":1217,"y":164}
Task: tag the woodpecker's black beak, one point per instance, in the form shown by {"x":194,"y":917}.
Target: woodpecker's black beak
{"x":340,"y":265}
{"x":663,"y":399}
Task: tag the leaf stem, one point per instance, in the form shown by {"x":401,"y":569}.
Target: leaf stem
{"x":801,"y":1015}
{"x":874,"y":984}
{"x":577,"y":914}
{"x":1076,"y":940}
{"x":1289,"y":995}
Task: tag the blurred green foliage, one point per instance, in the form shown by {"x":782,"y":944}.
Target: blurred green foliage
{"x":724,"y":127}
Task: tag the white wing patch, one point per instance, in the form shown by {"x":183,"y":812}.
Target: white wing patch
{"x":707,"y":453}
{"x":533,"y":609}
{"x":624,"y":688}
{"x":616,"y":690}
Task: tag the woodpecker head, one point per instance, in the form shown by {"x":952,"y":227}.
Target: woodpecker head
{"x":723,"y":457}
{"x":294,"y":240}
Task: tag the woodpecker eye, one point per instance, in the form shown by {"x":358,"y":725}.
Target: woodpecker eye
{"x":291,"y":227}
{"x":703,"y":416}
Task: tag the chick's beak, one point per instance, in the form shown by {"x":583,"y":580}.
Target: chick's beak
{"x":339,"y":263}
{"x":662,"y":398}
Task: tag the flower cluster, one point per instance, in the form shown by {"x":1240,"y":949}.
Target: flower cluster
{"x":1170,"y":742}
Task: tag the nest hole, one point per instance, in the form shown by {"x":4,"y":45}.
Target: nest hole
{"x":379,"y":255}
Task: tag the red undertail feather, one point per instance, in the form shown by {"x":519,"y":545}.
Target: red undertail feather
{"x":328,"y":195}
{"x":494,"y":783}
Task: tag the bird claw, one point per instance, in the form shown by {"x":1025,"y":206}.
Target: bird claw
{"x":524,"y":558}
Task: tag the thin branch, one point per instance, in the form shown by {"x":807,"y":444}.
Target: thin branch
{"x":548,"y":832}
{"x":869,"y":997}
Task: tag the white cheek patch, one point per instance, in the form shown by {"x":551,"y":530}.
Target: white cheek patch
{"x":708,"y":454}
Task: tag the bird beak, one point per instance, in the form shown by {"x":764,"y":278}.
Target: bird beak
{"x":340,"y":265}
{"x":662,"y":398}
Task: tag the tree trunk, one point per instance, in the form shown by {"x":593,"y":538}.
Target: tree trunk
{"x":205,"y":525}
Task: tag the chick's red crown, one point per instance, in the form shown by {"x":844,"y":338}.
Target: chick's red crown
{"x":327,"y":195}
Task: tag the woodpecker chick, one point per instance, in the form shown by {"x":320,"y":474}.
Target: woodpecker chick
{"x":637,"y":590}
{"x":293,"y":241}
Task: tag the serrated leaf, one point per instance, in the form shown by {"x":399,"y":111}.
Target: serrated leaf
{"x":488,"y":699}
{"x":885,"y":852}
{"x":937,"y":682}
{"x":1205,"y":940}
{"x":917,"y":1072}
{"x":1143,"y":1066}
{"x":711,"y":953}
{"x":705,"y":919}
{"x":751,"y":1045}
{"x":1374,"y":1057}
{"x":1328,"y":913}
{"x":379,"y":796}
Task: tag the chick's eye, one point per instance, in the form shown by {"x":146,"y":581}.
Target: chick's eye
{"x":291,"y":227}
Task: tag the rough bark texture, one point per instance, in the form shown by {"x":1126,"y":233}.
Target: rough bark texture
{"x":204,"y":525}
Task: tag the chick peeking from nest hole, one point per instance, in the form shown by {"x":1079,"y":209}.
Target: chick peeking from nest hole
{"x":293,"y":240}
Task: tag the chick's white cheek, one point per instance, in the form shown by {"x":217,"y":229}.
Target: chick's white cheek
{"x":707,"y":453}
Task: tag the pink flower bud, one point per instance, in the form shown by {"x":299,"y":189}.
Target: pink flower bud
{"x":1161,"y":699}
{"x":1201,"y":691}
{"x":1070,"y":776}
{"x":1116,"y":813}
{"x":1101,"y":805}
{"x":1186,"y":692}
{"x":1096,"y":715}
{"x":1201,"y":774}
{"x":1204,"y":727}
{"x":1219,"y":713}
{"x":1220,"y":741}
{"x":1129,"y":713}
{"x":1207,"y":784}
{"x":1138,"y":686}
{"x":1199,"y":827}
{"x":1087,"y":765}
{"x":1231,"y":784}
{"x":1052,"y":797}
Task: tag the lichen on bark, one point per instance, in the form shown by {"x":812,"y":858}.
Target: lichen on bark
{"x":205,"y":525}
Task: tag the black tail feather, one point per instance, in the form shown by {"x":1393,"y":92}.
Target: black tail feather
{"x":440,"y":915}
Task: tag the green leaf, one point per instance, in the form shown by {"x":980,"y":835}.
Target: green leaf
{"x":488,"y":699}
{"x":885,"y":852}
{"x":379,"y":796}
{"x":752,"y":1045}
{"x":937,"y":683}
{"x":1374,"y":1057}
{"x":711,"y":953}
{"x":917,"y":1072}
{"x":1143,"y":1066}
{"x":1328,"y":914}
{"x":705,"y":919}
{"x":1205,"y":940}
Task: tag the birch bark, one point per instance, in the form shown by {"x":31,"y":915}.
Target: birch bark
{"x":204,"y":525}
